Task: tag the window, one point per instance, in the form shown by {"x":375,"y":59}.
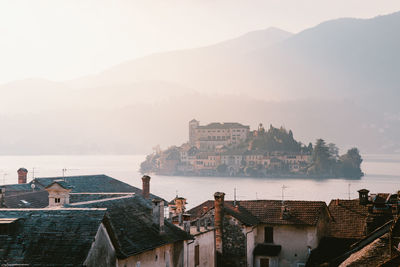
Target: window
{"x":268,"y":235}
{"x":197,"y":255}
{"x":264,"y":262}
{"x":57,"y":200}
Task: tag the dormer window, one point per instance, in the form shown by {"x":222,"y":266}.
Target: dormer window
{"x":57,"y":200}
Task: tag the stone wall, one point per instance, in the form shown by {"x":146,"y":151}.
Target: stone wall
{"x":234,"y":244}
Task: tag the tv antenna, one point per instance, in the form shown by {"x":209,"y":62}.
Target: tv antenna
{"x":348,"y":188}
{"x":283,"y":194}
{"x":64,"y":170}
{"x":4,"y":178}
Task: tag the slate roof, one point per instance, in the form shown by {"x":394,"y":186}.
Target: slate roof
{"x":78,"y":184}
{"x":269,"y":211}
{"x":47,"y":237}
{"x":33,"y":199}
{"x":131,"y":221}
{"x":13,"y":189}
{"x":349,"y":219}
{"x":90,"y":184}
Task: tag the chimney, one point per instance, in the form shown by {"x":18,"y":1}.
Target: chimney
{"x":285,"y":215}
{"x":205,"y":209}
{"x":363,"y":196}
{"x":22,"y":173}
{"x":2,"y":195}
{"x":146,"y":186}
{"x":218,"y":219}
{"x":158,"y":214}
{"x":180,"y":219}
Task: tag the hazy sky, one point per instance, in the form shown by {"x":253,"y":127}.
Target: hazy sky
{"x":66,"y":38}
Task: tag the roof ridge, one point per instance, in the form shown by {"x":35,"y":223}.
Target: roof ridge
{"x":100,"y":200}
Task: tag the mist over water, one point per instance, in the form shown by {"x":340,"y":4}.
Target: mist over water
{"x":382,"y":175}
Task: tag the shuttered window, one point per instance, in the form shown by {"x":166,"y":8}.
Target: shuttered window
{"x":197,"y":255}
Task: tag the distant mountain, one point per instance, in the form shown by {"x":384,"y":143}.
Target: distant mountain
{"x":339,"y":80}
{"x":207,"y":69}
{"x":339,"y":58}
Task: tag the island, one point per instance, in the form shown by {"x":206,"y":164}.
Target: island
{"x":232,"y":149}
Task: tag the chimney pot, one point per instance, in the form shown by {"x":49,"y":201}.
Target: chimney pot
{"x":158,"y":214}
{"x":146,"y":186}
{"x":363,"y":196}
{"x":22,"y":173}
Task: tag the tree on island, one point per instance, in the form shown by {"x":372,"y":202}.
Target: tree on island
{"x":327,"y":162}
{"x":351,"y":164}
{"x":322,"y":159}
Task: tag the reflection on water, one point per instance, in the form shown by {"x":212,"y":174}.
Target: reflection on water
{"x":382,"y":176}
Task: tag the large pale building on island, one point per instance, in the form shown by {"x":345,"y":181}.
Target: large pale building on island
{"x":210,"y":136}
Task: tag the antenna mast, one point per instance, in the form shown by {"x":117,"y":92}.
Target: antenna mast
{"x":283,"y":194}
{"x":234,"y":196}
{"x":349,"y":190}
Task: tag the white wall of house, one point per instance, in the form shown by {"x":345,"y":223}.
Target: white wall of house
{"x":102,"y":252}
{"x":207,"y":255}
{"x":294,"y":239}
{"x":158,"y":257}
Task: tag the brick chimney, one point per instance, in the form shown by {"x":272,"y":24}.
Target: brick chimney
{"x":158,"y":214}
{"x":146,"y":186}
{"x":22,"y":173}
{"x":218,"y":219}
{"x":363,"y":196}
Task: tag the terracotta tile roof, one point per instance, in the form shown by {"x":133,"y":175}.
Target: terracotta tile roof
{"x":270,"y":211}
{"x":374,"y":254}
{"x":301,"y":212}
{"x":349,"y":219}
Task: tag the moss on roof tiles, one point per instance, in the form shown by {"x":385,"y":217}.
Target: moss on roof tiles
{"x":131,"y":221}
{"x":50,"y":237}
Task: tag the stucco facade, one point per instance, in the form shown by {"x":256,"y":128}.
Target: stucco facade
{"x":170,"y":255}
{"x":102,"y":252}
{"x":205,"y":241}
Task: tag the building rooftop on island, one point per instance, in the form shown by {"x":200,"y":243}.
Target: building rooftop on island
{"x":224,"y":125}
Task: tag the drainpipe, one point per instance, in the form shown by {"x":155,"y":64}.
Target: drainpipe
{"x":252,"y":229}
{"x":187,"y":252}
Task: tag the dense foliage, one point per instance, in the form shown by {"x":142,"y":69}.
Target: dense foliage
{"x":277,"y":139}
{"x":327,"y":162}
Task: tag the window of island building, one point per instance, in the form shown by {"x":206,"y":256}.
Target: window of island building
{"x":268,"y":235}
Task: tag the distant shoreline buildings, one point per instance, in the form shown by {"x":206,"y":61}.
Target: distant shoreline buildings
{"x":213,"y":135}
{"x":226,"y":149}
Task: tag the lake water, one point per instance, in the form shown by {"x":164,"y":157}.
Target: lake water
{"x":382,"y":175}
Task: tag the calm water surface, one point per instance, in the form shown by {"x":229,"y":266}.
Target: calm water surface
{"x":382,"y":175}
